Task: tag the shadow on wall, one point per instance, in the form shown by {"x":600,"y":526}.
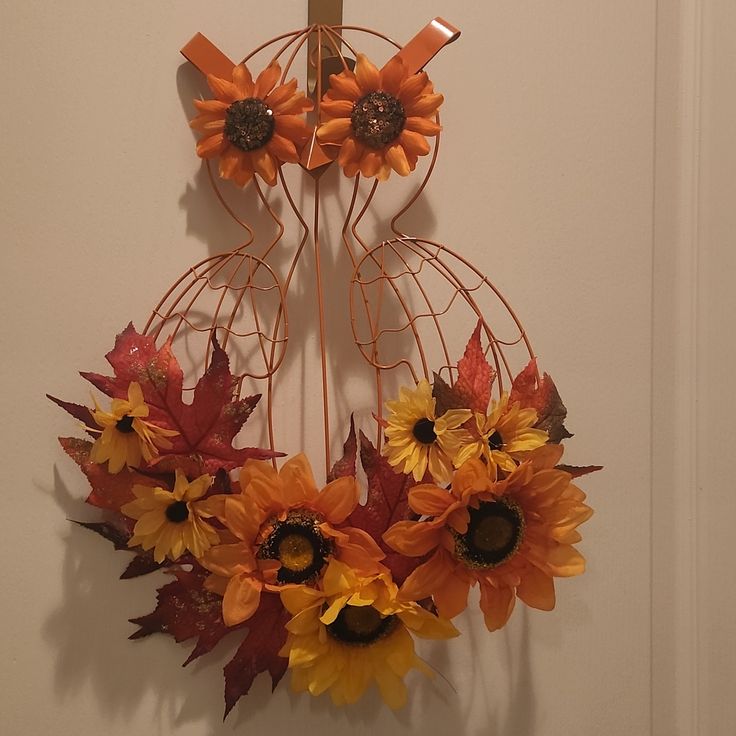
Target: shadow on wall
{"x":89,"y":632}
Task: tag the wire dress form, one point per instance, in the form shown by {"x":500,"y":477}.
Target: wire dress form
{"x":407,"y":295}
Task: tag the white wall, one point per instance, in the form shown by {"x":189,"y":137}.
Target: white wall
{"x":546,"y":181}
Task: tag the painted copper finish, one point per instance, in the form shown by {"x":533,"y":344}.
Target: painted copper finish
{"x":405,"y":294}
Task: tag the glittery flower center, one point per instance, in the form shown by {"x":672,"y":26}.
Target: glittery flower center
{"x":361,"y":625}
{"x":177,"y":512}
{"x":377,"y":119}
{"x":125,"y":424}
{"x":249,"y":124}
{"x":424,"y":431}
{"x":495,"y":531}
{"x":297,"y":543}
{"x":495,"y":441}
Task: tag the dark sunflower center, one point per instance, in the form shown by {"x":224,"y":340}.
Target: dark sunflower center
{"x":297,"y":543}
{"x":495,"y":531}
{"x":249,"y":124}
{"x":360,"y":625}
{"x":177,"y":512}
{"x":424,"y":431}
{"x":125,"y":425}
{"x":377,"y":119}
{"x":495,"y":441}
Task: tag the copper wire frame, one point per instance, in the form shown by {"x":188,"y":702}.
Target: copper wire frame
{"x":387,"y":279}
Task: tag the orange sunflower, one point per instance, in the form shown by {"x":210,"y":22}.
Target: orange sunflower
{"x":379,"y":118}
{"x":512,"y":537}
{"x":253,"y":127}
{"x":284,"y":530}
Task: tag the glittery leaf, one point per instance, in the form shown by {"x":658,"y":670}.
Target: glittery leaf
{"x":258,"y":651}
{"x":475,"y":375}
{"x":186,"y":610}
{"x":541,"y":394}
{"x":387,"y":503}
{"x":345,"y":466}
{"x":108,"y":491}
{"x":208,"y":425}
{"x":82,"y":413}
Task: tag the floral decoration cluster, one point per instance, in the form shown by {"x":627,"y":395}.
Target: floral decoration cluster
{"x":466,"y":490}
{"x":373,"y":121}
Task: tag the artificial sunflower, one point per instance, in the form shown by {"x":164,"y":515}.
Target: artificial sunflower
{"x":416,"y":439}
{"x":126,"y":437}
{"x":172,"y":522}
{"x":504,"y":436}
{"x":512,"y":537}
{"x":285,"y":530}
{"x":253,"y":127}
{"x":351,"y":631}
{"x":379,"y":118}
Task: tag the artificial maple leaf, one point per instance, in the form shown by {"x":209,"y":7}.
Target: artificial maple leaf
{"x":577,"y":470}
{"x":119,"y":531}
{"x":208,"y":425}
{"x":109,"y":491}
{"x":186,"y":610}
{"x":475,"y":375}
{"x":345,"y":466}
{"x":387,"y":502}
{"x":445,"y":396}
{"x":259,"y":651}
{"x":541,"y":394}
{"x":82,"y":413}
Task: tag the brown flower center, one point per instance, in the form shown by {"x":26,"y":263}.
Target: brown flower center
{"x":495,"y":441}
{"x":424,"y":431}
{"x":297,"y":543}
{"x":377,"y":119}
{"x":125,"y":424}
{"x":494,"y":535}
{"x":177,"y":512}
{"x":361,"y":625}
{"x":249,"y":124}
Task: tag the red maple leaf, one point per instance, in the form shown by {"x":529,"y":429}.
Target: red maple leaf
{"x":475,"y":375}
{"x":109,"y":491}
{"x":387,"y":502}
{"x":209,"y":424}
{"x":259,"y":651}
{"x":186,"y":610}
{"x":345,"y":466}
{"x":540,"y":393}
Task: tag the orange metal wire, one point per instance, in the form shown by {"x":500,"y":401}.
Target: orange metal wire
{"x":406,"y":294}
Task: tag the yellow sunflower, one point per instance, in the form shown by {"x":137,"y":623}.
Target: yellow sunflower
{"x":352,"y":631}
{"x":379,"y":118}
{"x":126,"y":437}
{"x":416,"y":439}
{"x":284,"y":531}
{"x":172,"y":522}
{"x":504,"y":436}
{"x":511,"y":537}
{"x":253,"y":127}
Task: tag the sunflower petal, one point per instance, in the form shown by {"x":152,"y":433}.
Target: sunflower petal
{"x":266,"y":80}
{"x":241,"y":599}
{"x":392,"y":75}
{"x":422,"y":125}
{"x":334,"y":131}
{"x":496,"y":604}
{"x":366,"y":74}
{"x":243,"y":80}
